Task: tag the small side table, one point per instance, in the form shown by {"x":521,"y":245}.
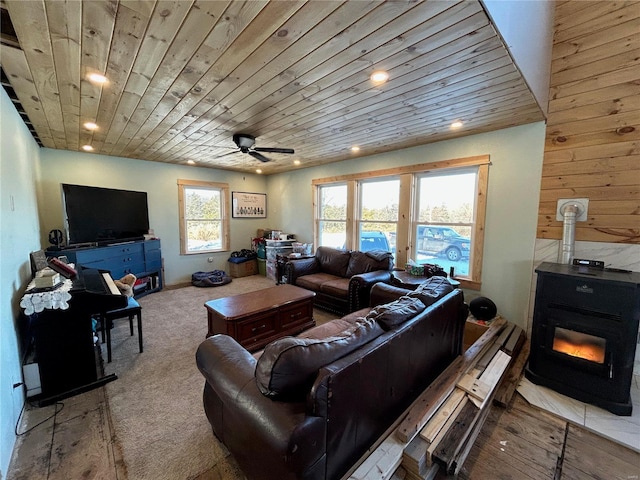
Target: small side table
{"x":400,"y":278}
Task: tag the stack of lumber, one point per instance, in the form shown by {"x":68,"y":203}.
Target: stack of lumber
{"x":437,"y":432}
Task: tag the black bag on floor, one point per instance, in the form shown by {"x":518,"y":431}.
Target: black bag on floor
{"x":214,"y":278}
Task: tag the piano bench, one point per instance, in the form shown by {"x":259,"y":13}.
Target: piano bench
{"x":132,"y":309}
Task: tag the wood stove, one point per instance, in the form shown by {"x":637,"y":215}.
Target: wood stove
{"x":584,"y":334}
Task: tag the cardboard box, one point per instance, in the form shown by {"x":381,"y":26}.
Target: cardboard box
{"x":244,"y":269}
{"x":473,"y":330}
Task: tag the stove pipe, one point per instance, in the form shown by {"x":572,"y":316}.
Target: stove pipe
{"x":569,"y":212}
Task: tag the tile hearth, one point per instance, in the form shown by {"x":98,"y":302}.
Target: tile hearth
{"x":623,"y":430}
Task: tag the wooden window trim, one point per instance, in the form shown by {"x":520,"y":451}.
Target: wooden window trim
{"x":224,"y":188}
{"x":407,"y":176}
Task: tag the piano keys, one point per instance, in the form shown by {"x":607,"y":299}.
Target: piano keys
{"x":67,"y":357}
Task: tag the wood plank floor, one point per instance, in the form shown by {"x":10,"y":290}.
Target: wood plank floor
{"x":519,"y":442}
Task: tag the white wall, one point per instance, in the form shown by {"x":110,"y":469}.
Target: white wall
{"x":19,"y":236}
{"x":512,"y":204}
{"x":527,"y":29}
{"x":159,"y":180}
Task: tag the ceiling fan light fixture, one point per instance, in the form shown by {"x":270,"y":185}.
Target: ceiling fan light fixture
{"x":97,"y":78}
{"x":191,"y":162}
{"x":245,"y":144}
{"x":87,"y":148}
{"x":244,"y":141}
{"x":258,"y":171}
{"x":355,"y":148}
{"x":379,"y":76}
{"x":90,"y":126}
{"x":456,"y":124}
{"x":296,"y":162}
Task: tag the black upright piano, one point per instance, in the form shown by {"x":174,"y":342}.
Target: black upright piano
{"x":68,"y":359}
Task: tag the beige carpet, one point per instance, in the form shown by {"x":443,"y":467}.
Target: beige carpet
{"x":156,"y":403}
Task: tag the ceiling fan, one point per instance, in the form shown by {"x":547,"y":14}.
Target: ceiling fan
{"x":245,"y":144}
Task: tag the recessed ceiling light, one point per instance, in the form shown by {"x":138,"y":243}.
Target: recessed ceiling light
{"x":97,"y":78}
{"x":90,"y":126}
{"x":355,"y":148}
{"x":456,"y":124}
{"x":379,"y":76}
{"x":87,"y":148}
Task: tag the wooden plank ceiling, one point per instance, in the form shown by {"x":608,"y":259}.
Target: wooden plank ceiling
{"x":184,"y":76}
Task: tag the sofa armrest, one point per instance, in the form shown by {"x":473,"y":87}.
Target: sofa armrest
{"x":225,"y":365}
{"x":280,"y":431}
{"x":382,"y":293}
{"x":299,"y":268}
{"x":360,"y":287}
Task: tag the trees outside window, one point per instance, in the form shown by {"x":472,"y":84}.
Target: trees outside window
{"x":331,"y":217}
{"x":204,"y":222}
{"x":430,"y":213}
{"x":444,"y":220}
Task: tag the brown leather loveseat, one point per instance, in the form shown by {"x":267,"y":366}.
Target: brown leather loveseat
{"x":308,"y":407}
{"x":341,"y":279}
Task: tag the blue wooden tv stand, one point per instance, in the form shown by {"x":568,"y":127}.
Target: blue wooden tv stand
{"x":143,"y":258}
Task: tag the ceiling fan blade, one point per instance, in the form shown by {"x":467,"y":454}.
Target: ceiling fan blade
{"x":229,"y":153}
{"x":259,"y":156}
{"x":275,"y":150}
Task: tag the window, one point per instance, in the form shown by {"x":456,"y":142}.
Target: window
{"x":431,"y":213}
{"x":378,"y":214}
{"x":444,"y":219}
{"x":331,"y":219}
{"x":204,"y":223}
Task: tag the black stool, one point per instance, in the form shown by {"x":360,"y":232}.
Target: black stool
{"x":132,"y":309}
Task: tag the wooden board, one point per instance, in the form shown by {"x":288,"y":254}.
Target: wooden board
{"x":431,"y":399}
{"x":437,"y":422}
{"x":518,"y":443}
{"x":453,"y":441}
{"x":593,"y":115}
{"x":587,"y":455}
{"x":510,"y":383}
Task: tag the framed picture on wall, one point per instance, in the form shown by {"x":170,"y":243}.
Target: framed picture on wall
{"x":248,"y":205}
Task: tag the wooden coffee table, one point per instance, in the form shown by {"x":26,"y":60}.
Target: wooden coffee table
{"x":256,"y":318}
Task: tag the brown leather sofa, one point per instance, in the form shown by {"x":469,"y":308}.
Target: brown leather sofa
{"x":341,"y":279}
{"x":308,"y":407}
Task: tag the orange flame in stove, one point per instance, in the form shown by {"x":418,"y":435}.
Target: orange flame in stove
{"x":593,"y":353}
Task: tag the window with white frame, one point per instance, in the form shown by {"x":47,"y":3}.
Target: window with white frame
{"x":204,"y":221}
{"x":430,"y":213}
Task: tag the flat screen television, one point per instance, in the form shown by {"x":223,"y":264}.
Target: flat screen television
{"x":104,"y":215}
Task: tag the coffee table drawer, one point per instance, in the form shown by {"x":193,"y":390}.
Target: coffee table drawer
{"x":295,"y":314}
{"x":258,"y":327}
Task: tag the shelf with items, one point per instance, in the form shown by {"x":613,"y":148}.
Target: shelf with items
{"x":142,"y":258}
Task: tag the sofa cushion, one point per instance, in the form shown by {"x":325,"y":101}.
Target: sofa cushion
{"x":399,"y":311}
{"x":432,"y":290}
{"x":333,"y":260}
{"x":288,"y":366}
{"x":337,"y":287}
{"x":314,"y":281}
{"x":361,"y":262}
{"x":353,"y":317}
{"x":328,"y":329}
